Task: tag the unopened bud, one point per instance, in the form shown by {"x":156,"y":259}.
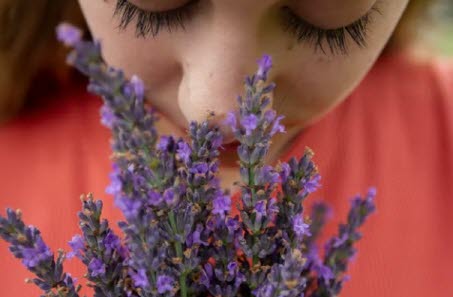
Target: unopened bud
{"x":291,"y":283}
{"x":21,"y":238}
{"x":176,"y":260}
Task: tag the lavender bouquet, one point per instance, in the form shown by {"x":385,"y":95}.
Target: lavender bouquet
{"x":180,"y":237}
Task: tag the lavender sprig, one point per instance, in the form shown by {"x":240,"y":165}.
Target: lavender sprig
{"x":26,"y":244}
{"x":254,"y":131}
{"x":340,"y":249}
{"x":143,"y":176}
{"x":100,"y":249}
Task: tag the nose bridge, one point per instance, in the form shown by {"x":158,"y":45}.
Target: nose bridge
{"x":214,"y":67}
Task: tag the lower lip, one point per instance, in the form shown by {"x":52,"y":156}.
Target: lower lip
{"x":230,"y":147}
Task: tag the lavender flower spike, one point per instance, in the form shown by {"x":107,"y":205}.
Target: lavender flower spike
{"x":264,"y":65}
{"x":68,"y":34}
{"x":26,"y":244}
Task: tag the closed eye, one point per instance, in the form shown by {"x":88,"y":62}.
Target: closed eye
{"x":335,"y":38}
{"x":151,"y":22}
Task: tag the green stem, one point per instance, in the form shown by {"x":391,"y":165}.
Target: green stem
{"x":252,"y":182}
{"x":182,"y":283}
{"x":178,"y":247}
{"x":255,"y":258}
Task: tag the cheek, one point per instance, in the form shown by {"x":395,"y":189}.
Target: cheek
{"x":306,"y":92}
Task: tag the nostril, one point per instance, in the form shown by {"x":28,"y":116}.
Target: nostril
{"x":227,"y":133}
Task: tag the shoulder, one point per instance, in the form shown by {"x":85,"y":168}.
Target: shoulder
{"x":442,"y":69}
{"x":65,"y":112}
{"x":409,"y":87}
{"x":412,"y":108}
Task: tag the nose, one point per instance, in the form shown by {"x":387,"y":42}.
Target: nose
{"x":210,"y":89}
{"x":214,"y":67}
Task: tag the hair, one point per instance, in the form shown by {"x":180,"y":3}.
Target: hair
{"x":31,"y":60}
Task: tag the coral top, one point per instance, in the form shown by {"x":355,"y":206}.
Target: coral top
{"x":395,"y":132}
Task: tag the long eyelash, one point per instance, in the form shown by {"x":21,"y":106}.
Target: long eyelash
{"x":336,"y":38}
{"x":150,"y":23}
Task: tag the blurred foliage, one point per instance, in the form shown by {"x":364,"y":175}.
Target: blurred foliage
{"x":442,"y":38}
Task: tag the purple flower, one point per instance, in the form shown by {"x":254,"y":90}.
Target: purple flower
{"x":68,"y":278}
{"x":346,"y":278}
{"x":206,"y":275}
{"x":138,"y":86}
{"x":339,"y":241}
{"x":269,"y":88}
{"x":195,"y":237}
{"x":129,"y":206}
{"x":369,"y":200}
{"x":260,"y":209}
{"x":371,"y":192}
{"x":264,"y":65}
{"x":68,"y":34}
{"x":216,"y":141}
{"x":221,"y":204}
{"x":154,"y":198}
{"x":249,"y":122}
{"x":232,"y":267}
{"x":277,"y":127}
{"x":323,"y":271}
{"x":300,"y":227}
{"x":265,"y":290}
{"x":284,"y":171}
{"x":138,"y":180}
{"x":199,"y":168}
{"x":270,"y":115}
{"x":267,"y":175}
{"x":115,"y":186}
{"x":77,"y":245}
{"x":163,"y":143}
{"x":232,"y":224}
{"x":272,"y":207}
{"x":244,"y":155}
{"x":32,"y":256}
{"x":184,"y":151}
{"x":96,"y":267}
{"x":230,"y":121}
{"x":164,"y":284}
{"x":211,"y":223}
{"x":214,"y":167}
{"x":312,"y":185}
{"x":239,"y":279}
{"x":140,"y":278}
{"x":111,"y":241}
{"x":107,"y":117}
{"x":170,"y":197}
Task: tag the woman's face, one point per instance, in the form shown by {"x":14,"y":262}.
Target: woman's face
{"x":194,"y":61}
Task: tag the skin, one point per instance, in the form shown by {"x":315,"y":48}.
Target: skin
{"x":189,"y":73}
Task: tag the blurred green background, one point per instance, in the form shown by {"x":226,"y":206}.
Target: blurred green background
{"x":442,"y":19}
